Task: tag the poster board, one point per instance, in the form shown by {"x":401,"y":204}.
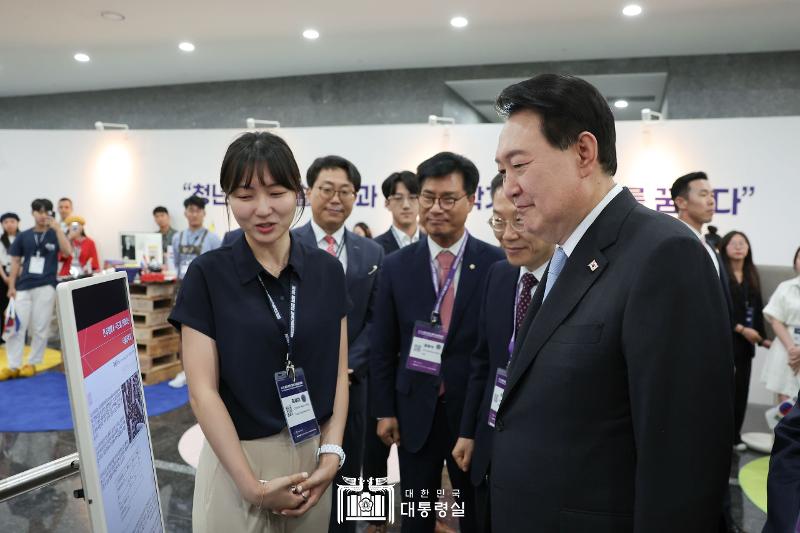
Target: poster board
{"x":107,"y":402}
{"x":135,"y":246}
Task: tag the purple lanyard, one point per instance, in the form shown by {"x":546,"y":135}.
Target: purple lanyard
{"x":514,"y":332}
{"x":447,"y":282}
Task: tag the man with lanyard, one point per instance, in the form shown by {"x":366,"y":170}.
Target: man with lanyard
{"x":188,"y":244}
{"x":401,"y":191}
{"x":162,"y":220}
{"x":425,"y":327}
{"x":509,"y":288}
{"x":32,"y":284}
{"x":333,"y":183}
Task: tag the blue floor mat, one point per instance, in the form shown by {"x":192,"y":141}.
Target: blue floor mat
{"x":41,"y":403}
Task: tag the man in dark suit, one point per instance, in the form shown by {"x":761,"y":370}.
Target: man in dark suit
{"x":333,"y":183}
{"x":603,"y":423}
{"x":430,"y":290}
{"x":694,"y":201}
{"x":783,"y":483}
{"x":401,"y":191}
{"x":509,"y":289}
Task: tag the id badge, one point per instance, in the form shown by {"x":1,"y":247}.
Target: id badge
{"x":749,"y":313}
{"x":796,"y":334}
{"x":184,"y":267}
{"x":427,"y":346}
{"x":36,"y":265}
{"x":297,"y":408}
{"x":497,"y":395}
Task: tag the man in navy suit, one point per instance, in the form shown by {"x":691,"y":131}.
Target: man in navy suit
{"x":783,"y":483}
{"x":425,"y":328}
{"x":625,"y":348}
{"x":401,"y":191}
{"x":333,"y":183}
{"x":509,"y":288}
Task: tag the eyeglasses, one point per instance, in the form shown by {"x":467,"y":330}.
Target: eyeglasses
{"x":445,"y":202}
{"x":345,"y":195}
{"x":499,"y":224}
{"x":401,"y":198}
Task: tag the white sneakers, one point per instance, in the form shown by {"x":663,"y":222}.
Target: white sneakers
{"x":179,"y":381}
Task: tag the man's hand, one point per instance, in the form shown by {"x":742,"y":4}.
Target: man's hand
{"x":752,"y":336}
{"x":12,"y":293}
{"x":53,"y":223}
{"x":462,"y":452}
{"x":389,"y":431}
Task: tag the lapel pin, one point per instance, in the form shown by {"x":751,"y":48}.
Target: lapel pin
{"x":593,"y":265}
{"x":472,"y":266}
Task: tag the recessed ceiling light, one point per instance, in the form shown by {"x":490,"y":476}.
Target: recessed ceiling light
{"x":311,"y":34}
{"x":81,"y":57}
{"x":631,"y":10}
{"x":621,"y":104}
{"x":186,"y":46}
{"x":112,"y":15}
{"x":459,"y":22}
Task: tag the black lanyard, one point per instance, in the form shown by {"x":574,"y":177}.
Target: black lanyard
{"x":39,"y":241}
{"x":288,"y":332}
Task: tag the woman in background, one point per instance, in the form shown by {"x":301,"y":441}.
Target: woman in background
{"x":783,"y":361}
{"x":362,"y":229}
{"x":84,"y":258}
{"x":745,"y":287}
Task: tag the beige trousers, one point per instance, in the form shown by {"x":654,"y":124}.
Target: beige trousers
{"x":218,"y":506}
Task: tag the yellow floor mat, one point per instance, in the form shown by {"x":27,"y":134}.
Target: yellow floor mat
{"x":51,"y":358}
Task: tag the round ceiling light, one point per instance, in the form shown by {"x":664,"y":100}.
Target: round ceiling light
{"x":632,"y":10}
{"x":112,"y":16}
{"x":81,"y":57}
{"x":621,"y":104}
{"x":311,"y":35}
{"x":186,"y":46}
{"x":459,"y":22}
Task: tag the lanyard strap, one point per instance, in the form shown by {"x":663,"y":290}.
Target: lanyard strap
{"x":441,"y":292}
{"x":38,"y":241}
{"x":288,"y":333}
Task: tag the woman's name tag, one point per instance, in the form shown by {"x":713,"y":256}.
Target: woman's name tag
{"x":427,"y":346}
{"x":297,"y":407}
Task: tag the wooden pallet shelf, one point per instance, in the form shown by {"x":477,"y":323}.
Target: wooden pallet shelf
{"x":159,"y":346}
{"x":152,"y":290}
{"x":146,"y":333}
{"x":148,"y":304}
{"x":160,"y":373}
{"x":146,"y":364}
{"x":151,"y":318}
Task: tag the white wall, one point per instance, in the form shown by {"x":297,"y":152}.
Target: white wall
{"x":116,"y":178}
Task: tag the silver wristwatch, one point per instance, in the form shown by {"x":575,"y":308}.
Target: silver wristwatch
{"x":331,"y":448}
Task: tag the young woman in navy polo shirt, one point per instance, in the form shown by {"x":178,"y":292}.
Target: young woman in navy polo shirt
{"x":265,"y":353}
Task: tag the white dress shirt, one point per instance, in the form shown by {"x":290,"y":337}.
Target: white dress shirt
{"x":576,"y":236}
{"x":435,"y":249}
{"x":338,"y":245}
{"x":402,"y":237}
{"x":709,"y":249}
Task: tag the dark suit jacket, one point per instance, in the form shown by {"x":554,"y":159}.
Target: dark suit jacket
{"x":495,"y":327}
{"x":604,"y":425}
{"x":231,"y":236}
{"x":783,"y":483}
{"x":364,"y":259}
{"x":406,"y":294}
{"x":388,"y":242}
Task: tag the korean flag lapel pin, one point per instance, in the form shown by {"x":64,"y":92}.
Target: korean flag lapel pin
{"x":593,"y":265}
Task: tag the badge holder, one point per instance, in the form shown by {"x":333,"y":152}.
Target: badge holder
{"x":427,"y":345}
{"x":296,"y":402}
{"x":500,"y":382}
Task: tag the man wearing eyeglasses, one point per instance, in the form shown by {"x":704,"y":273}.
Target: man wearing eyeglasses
{"x":425,"y":328}
{"x":401,"y":191}
{"x":333,"y":183}
{"x":509,"y":289}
